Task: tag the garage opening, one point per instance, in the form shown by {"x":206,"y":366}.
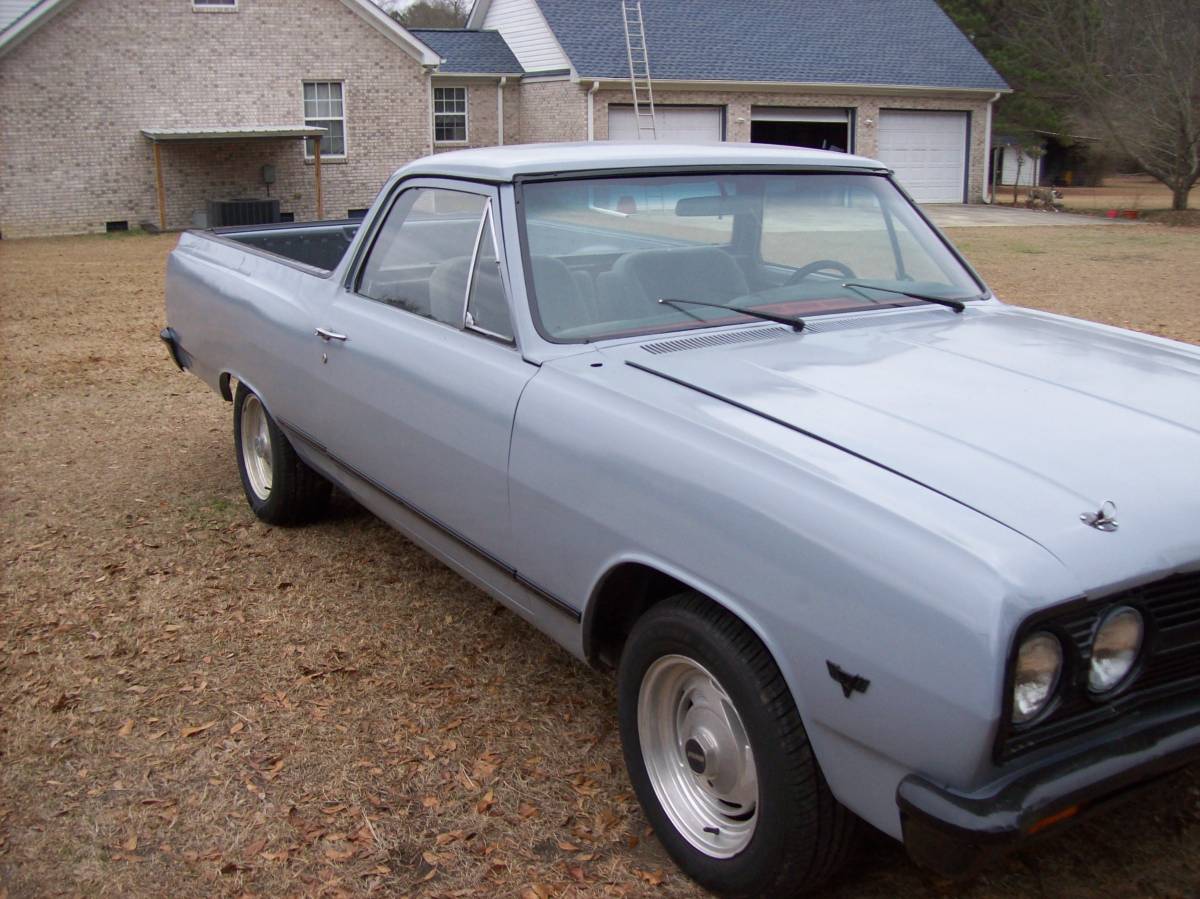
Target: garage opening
{"x":818,"y":128}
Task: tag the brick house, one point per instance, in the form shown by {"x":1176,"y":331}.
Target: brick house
{"x":891,"y":79}
{"x":117,"y":114}
{"x":98,"y":96}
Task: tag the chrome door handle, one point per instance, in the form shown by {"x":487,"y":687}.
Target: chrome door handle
{"x":327,"y":335}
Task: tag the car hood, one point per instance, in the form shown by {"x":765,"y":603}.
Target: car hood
{"x":1032,"y":420}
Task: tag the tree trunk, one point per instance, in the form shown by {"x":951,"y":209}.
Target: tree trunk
{"x":1179,"y":196}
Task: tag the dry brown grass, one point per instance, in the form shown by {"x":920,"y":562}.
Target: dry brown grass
{"x":195,"y":704}
{"x":1140,"y":192}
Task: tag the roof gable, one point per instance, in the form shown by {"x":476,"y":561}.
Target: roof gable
{"x":870,"y":42}
{"x":526,"y":31}
{"x":39,"y":12}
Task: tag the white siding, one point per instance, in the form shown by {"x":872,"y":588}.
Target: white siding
{"x":11,"y":10}
{"x":527,"y":32}
{"x":1029,"y":168}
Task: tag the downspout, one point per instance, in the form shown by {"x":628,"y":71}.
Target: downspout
{"x":987,"y":144}
{"x":500,"y":109}
{"x":591,"y":110}
{"x":429,"y":122}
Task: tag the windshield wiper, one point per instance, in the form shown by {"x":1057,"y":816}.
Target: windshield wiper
{"x":956,"y":305}
{"x":796,"y":324}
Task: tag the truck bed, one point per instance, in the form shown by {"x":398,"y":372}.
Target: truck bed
{"x":318,"y":244}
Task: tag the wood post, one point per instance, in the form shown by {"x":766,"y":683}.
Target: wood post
{"x":162,"y":193}
{"x":317,"y":174}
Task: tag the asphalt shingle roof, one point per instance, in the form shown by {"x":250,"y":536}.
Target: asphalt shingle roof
{"x":479,"y":52}
{"x":901,"y":42}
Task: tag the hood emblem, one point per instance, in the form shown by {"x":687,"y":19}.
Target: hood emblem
{"x":1104,"y":518}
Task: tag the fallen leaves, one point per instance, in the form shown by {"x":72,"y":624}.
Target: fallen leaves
{"x":654,"y":878}
{"x":197,"y":729}
{"x":335,"y":854}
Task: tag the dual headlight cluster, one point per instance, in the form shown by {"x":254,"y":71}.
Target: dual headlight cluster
{"x":1115,"y":647}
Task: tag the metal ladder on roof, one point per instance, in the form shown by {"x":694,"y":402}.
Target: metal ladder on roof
{"x":639,"y":69}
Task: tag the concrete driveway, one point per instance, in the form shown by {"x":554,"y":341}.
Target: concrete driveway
{"x":981,"y":216}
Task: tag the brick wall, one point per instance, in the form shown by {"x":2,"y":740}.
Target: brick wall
{"x":553,"y":111}
{"x":75,"y":95}
{"x":482,"y":114}
{"x":738,"y":105}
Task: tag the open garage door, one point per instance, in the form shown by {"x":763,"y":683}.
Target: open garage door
{"x":674,"y":124}
{"x":928,"y":151}
{"x":819,"y":128}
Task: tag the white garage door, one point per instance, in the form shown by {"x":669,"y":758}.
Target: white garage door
{"x":674,"y":124}
{"x":928,"y":151}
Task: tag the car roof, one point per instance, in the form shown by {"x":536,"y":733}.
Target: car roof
{"x":517,"y":160}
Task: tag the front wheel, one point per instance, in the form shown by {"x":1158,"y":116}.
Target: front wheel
{"x":719,"y":758}
{"x":279,"y":487}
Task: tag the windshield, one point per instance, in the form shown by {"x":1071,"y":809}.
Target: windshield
{"x":603,"y":252}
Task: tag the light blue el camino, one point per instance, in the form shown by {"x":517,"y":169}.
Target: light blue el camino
{"x":861,"y":541}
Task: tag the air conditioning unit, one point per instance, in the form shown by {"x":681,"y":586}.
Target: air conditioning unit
{"x":222,"y":213}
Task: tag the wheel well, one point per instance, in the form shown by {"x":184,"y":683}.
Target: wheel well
{"x":621,"y":599}
{"x":223,"y":385}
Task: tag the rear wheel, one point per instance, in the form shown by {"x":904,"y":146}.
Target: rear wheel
{"x":719,"y":758}
{"x":280,"y":488}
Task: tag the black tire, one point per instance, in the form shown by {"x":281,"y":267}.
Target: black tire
{"x":802,"y":835}
{"x":295,"y":493}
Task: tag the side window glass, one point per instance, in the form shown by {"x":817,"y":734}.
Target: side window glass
{"x":421,"y":258}
{"x":487,"y":305}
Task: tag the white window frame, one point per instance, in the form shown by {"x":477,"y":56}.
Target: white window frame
{"x":466,"y":97}
{"x":343,"y":118}
{"x":214,"y":6}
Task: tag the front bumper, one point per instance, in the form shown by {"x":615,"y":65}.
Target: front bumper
{"x":955,"y":833}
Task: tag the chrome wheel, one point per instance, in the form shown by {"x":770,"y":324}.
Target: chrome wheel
{"x":697,"y":756}
{"x":256,"y":446}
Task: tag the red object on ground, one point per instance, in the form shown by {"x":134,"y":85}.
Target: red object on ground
{"x":1131,"y":213}
{"x":1112,"y":213}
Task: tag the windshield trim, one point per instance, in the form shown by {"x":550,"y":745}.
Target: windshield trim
{"x":520,"y":181}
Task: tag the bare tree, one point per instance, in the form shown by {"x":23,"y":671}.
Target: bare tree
{"x":432,"y":14}
{"x":1132,"y":69}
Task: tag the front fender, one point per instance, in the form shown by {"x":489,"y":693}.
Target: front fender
{"x":826,"y":557}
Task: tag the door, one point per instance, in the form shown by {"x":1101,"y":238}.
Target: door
{"x":928,"y":151}
{"x":674,"y":124}
{"x":423,"y":375}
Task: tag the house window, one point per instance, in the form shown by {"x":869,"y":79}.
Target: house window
{"x":450,"y":114}
{"x":323,"y":108}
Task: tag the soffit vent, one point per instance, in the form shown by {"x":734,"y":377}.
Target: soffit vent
{"x":706,"y":340}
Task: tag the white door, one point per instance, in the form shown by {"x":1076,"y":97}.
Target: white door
{"x":927,"y":150}
{"x":674,"y":124}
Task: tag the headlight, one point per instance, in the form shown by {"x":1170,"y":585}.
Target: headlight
{"x":1039,"y":663}
{"x":1115,"y":648}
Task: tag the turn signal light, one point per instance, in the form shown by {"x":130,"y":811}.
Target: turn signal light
{"x":1058,"y":817}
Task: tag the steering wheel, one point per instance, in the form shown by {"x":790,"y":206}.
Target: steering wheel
{"x":821,"y":265}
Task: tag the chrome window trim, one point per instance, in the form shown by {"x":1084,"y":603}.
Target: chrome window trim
{"x":362,"y":253}
{"x":468,"y":322}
